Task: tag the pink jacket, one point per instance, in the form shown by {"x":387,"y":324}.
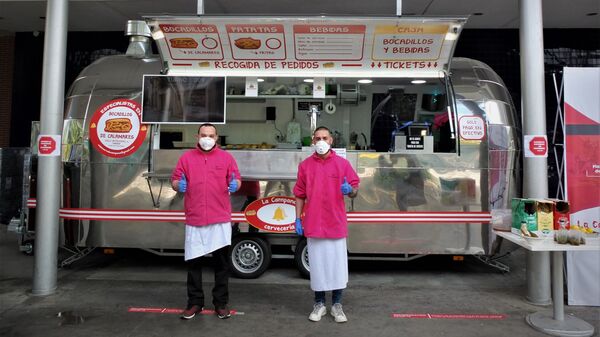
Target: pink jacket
{"x":319,"y":183}
{"x":208,"y":175}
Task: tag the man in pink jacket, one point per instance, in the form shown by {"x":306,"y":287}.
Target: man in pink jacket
{"x":207,"y":175}
{"x":323,"y":180}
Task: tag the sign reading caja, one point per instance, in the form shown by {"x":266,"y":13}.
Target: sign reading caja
{"x":272,"y":214}
{"x":116,"y":129}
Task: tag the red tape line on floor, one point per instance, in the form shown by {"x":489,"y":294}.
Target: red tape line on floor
{"x":173,"y":311}
{"x":450,"y":316}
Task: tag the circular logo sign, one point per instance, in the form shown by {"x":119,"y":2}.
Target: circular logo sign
{"x":116,"y":129}
{"x":272,"y":214}
{"x":538,"y":146}
{"x":46,"y":145}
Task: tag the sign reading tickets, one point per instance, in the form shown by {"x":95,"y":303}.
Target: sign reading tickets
{"x":314,"y":46}
{"x":272,"y":214}
{"x":116,"y":129}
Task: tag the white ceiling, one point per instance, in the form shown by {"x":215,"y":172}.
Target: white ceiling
{"x":112,"y":15}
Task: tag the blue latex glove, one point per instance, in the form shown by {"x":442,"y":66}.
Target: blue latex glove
{"x":299,"y":230}
{"x":233,"y":185}
{"x":182,"y":184}
{"x":346,"y":188}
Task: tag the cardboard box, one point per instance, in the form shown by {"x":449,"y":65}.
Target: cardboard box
{"x":523,"y":211}
{"x":561,"y":210}
{"x":545,"y":217}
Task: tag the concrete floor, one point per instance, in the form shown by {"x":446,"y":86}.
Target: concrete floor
{"x":94,"y":296}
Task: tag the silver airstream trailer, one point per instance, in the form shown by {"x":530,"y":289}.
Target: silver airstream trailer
{"x":436,"y":148}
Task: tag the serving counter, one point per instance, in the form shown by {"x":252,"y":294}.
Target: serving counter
{"x":432,"y":197}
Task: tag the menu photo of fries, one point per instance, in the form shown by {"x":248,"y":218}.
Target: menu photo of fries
{"x":247,"y":43}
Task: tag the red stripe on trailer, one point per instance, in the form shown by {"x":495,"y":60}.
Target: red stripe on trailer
{"x":183,"y":64}
{"x":151,"y":310}
{"x":351,"y":65}
{"x":450,"y":316}
{"x":353,"y":217}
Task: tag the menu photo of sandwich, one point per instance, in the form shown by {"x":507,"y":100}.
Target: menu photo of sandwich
{"x":183,"y":42}
{"x":119,"y":125}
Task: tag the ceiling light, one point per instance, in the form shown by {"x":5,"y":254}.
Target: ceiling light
{"x":158,"y":34}
{"x":418,"y":81}
{"x":451,"y":36}
{"x":365,"y":81}
{"x":260,"y":80}
{"x":309,"y":80}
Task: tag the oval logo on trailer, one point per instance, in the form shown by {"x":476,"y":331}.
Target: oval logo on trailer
{"x":272,"y":214}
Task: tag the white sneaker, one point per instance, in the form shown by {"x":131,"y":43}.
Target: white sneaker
{"x":338,"y":313}
{"x":319,"y":311}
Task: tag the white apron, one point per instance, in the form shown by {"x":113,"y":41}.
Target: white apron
{"x":328,"y":260}
{"x":201,"y":240}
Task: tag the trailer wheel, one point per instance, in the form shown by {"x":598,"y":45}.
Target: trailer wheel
{"x":250,"y":257}
{"x":27,"y":247}
{"x":301,"y":258}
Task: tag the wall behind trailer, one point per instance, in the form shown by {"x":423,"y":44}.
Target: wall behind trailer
{"x":82,"y":49}
{"x":7,"y":51}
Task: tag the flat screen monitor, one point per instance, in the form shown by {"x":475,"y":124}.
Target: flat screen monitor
{"x":418,"y":129}
{"x":183,"y":99}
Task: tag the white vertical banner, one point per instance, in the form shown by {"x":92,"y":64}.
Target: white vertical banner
{"x":582,"y":176}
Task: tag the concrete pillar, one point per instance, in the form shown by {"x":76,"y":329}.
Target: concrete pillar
{"x":533,"y":108}
{"x":49,"y":167}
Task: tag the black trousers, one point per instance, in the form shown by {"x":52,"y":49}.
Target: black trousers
{"x":220,"y":292}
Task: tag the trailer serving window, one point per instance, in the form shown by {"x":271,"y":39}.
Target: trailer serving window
{"x":405,"y":109}
{"x":373,"y":114}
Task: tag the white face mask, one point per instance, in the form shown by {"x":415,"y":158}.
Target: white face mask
{"x":322,"y":147}
{"x":206,"y":143}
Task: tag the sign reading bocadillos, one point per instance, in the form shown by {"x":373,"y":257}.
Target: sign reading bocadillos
{"x":314,"y":46}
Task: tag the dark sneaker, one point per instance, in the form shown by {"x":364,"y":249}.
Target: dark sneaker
{"x":223,"y":312}
{"x":191,"y":311}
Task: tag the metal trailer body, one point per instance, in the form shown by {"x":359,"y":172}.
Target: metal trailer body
{"x":482,"y":176}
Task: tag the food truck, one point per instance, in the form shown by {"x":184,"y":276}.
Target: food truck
{"x":434,"y":139}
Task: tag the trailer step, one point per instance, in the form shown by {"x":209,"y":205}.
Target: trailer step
{"x":492,"y":262}
{"x":76,"y":254}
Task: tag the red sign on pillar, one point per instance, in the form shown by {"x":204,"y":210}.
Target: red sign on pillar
{"x":48,"y":145}
{"x":536,"y":146}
